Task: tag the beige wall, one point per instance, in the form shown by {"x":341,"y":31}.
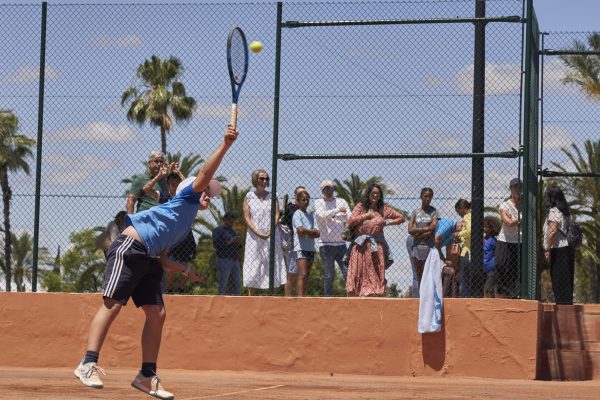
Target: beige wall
{"x":481,"y":337}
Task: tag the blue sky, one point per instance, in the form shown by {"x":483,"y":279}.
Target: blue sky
{"x":93,"y":50}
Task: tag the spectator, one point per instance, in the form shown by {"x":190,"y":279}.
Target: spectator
{"x":369,"y":252}
{"x":332,"y":214}
{"x":227,"y":245}
{"x":491,"y":228}
{"x":113,"y":229}
{"x":304,"y":246}
{"x":415,"y":282}
{"x":471,"y":281}
{"x":508,"y":243}
{"x":257,"y":215}
{"x":290,"y":254}
{"x":137,"y":195}
{"x":174,"y":178}
{"x":556,"y":247}
{"x":421,"y":227}
{"x":444,"y":239}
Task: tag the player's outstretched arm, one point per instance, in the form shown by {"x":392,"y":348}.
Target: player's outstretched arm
{"x":214,"y":160}
{"x":174,"y":266}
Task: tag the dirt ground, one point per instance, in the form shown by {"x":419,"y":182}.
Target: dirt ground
{"x":59,"y":384}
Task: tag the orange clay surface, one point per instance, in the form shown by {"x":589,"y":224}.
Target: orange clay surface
{"x":59,"y":384}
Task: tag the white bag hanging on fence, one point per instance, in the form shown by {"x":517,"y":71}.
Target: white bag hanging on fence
{"x":430,"y":294}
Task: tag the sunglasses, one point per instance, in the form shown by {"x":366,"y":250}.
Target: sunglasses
{"x":262,"y":178}
{"x":327,"y":189}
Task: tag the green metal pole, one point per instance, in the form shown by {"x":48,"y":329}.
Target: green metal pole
{"x":478,"y":144}
{"x":528,"y":118}
{"x":275,"y":149}
{"x":38,"y":163}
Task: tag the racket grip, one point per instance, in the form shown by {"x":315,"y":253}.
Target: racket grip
{"x":233,"y":120}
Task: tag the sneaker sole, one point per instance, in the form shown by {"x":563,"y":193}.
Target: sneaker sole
{"x":150,"y":394}
{"x":93,"y":386}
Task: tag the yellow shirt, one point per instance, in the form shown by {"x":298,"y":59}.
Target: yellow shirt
{"x":465,"y":235}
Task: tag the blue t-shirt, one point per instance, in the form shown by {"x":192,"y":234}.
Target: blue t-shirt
{"x":445,"y":228}
{"x":307,"y":221}
{"x":163,"y":226}
{"x":489,"y":249}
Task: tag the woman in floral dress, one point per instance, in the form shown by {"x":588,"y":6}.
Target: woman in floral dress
{"x":369,"y":252}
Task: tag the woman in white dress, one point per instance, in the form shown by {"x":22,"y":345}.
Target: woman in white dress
{"x":257,"y":215}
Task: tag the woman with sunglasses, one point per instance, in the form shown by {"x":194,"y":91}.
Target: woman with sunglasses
{"x":257,"y":215}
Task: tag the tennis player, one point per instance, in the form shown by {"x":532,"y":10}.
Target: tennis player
{"x":136,"y":259}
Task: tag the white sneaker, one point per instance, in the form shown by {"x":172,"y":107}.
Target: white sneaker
{"x":152,"y":386}
{"x":88,"y":374}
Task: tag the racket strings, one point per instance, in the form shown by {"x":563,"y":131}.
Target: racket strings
{"x":238,"y":57}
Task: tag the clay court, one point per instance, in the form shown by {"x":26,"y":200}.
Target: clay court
{"x":59,"y":384}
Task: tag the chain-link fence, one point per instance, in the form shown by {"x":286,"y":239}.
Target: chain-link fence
{"x":570,"y":160}
{"x":403,"y":95}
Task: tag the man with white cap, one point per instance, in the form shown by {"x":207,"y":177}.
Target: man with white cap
{"x":332,"y":214}
{"x":136,"y":259}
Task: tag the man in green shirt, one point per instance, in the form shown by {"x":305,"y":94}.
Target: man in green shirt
{"x":152,"y":179}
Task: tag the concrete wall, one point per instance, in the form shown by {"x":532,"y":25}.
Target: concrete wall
{"x":481,"y":337}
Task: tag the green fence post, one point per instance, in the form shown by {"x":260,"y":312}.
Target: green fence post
{"x":275,"y":149}
{"x":38,"y":163}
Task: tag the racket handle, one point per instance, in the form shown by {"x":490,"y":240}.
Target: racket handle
{"x":233,"y":120}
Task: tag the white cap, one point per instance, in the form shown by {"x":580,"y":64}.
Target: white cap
{"x":326,"y":183}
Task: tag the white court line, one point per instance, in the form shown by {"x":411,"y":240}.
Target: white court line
{"x":232,"y":393}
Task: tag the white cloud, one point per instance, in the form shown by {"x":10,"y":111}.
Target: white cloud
{"x":63,"y":173}
{"x":30,"y":74}
{"x":554,"y":71}
{"x":499,"y":79}
{"x":441,"y":141}
{"x":556,"y":136}
{"x":99,"y":131}
{"x":432,"y":80}
{"x":107,"y":42}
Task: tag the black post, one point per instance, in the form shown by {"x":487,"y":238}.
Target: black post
{"x":478,"y":163}
{"x":38,"y":163}
{"x":275,"y":148}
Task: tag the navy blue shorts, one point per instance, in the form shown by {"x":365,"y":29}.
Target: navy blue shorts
{"x":131,"y":273}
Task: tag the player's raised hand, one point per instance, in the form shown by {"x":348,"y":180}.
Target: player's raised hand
{"x":230,"y":134}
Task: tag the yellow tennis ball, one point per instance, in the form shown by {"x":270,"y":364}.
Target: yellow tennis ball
{"x":256,"y":46}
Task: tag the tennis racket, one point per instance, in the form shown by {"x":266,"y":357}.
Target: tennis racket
{"x":237,"y":63}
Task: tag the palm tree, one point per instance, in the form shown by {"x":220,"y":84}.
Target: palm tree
{"x":585,"y":195}
{"x":14,"y":151}
{"x":151,"y":101}
{"x":585,"y":69}
{"x":22,"y":251}
{"x":352,"y":189}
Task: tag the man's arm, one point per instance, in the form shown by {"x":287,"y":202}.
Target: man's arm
{"x":174,"y":266}
{"x":214,"y":160}
{"x":321,"y":213}
{"x":130,"y":205}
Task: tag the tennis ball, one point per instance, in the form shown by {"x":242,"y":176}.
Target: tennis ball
{"x":256,"y":46}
